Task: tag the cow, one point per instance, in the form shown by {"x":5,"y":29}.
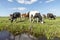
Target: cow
{"x":25,"y":15}
{"x":51,"y":16}
{"x":39,"y":17}
{"x":44,"y":16}
{"x":14,"y":16}
{"x":35,"y":14}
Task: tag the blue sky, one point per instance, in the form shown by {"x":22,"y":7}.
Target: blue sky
{"x":43,"y":6}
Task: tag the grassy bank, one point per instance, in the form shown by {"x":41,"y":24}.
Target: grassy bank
{"x":50,"y":29}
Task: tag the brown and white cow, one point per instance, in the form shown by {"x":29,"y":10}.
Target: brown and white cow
{"x":25,"y":15}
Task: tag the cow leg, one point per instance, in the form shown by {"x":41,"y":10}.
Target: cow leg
{"x":37,"y":20}
{"x":20,"y":18}
{"x":41,"y":20}
{"x":30,"y":19}
{"x":33,"y":21}
{"x":15,"y":19}
{"x":54,"y":18}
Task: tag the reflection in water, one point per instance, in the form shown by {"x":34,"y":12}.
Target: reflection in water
{"x":25,"y":36}
{"x":56,"y":38}
{"x":43,"y":37}
{"x":5,"y":35}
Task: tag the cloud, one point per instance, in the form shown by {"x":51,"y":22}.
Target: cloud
{"x":26,"y":1}
{"x":20,"y":8}
{"x":48,"y":1}
{"x":10,"y":0}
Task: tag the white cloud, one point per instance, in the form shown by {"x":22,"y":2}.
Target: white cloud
{"x":26,"y":1}
{"x":48,"y":1}
{"x":20,"y":8}
{"x":10,"y":0}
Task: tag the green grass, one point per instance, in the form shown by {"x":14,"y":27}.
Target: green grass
{"x":51,"y":28}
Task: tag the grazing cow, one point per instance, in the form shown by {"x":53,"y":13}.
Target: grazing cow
{"x":14,"y":16}
{"x":25,"y":15}
{"x":38,"y":15}
{"x":44,"y":16}
{"x":35,"y":14}
{"x":51,"y":16}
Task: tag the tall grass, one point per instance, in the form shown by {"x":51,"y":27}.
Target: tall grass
{"x":50,"y":28}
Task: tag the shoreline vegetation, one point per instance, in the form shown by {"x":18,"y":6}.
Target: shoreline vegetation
{"x":50,"y":29}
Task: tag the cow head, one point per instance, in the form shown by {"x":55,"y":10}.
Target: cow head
{"x":11,"y":17}
{"x":40,"y":18}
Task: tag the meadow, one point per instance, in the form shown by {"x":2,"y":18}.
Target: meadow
{"x":51,"y":28}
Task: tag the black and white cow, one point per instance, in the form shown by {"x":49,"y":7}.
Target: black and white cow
{"x":44,"y":16}
{"x":14,"y":16}
{"x":51,"y":16}
{"x":35,"y":14}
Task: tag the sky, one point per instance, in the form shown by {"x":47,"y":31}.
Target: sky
{"x":8,"y":7}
